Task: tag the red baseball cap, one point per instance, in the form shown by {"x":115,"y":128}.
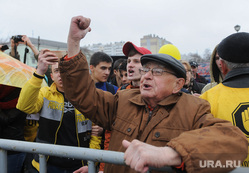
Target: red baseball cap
{"x":128,"y":45}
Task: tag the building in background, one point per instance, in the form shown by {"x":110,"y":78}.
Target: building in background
{"x":42,"y":44}
{"x":39,"y":44}
{"x":110,"y":48}
{"x":153,"y":42}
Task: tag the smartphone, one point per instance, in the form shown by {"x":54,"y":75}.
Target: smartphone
{"x":59,"y":53}
{"x":4,"y":47}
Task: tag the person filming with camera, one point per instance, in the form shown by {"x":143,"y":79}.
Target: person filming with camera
{"x":21,"y":39}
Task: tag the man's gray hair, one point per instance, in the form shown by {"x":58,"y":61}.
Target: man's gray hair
{"x":232,"y":65}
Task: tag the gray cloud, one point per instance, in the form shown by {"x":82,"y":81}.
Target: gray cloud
{"x":191,"y":25}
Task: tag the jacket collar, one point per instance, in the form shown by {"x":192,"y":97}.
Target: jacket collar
{"x":99,"y":84}
{"x":53,"y":88}
{"x":172,"y":99}
{"x":237,"y":78}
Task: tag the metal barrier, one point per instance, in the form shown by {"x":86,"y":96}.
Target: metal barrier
{"x":92,"y":155}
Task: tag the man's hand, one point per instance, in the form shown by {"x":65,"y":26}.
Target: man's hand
{"x":97,"y":130}
{"x":13,"y":44}
{"x":196,"y":94}
{"x":245,"y":118}
{"x":27,"y":41}
{"x":140,"y":156}
{"x":45,"y":59}
{"x":83,"y":169}
{"x":78,"y":29}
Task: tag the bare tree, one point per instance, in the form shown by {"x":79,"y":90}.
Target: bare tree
{"x":207,"y":55}
{"x":195,"y":57}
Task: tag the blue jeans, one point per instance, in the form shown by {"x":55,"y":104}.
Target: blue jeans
{"x":15,"y":162}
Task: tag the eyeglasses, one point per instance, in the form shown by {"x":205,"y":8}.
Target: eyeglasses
{"x":154,"y":71}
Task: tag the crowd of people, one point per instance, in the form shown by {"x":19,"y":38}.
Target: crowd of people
{"x":156,"y":108}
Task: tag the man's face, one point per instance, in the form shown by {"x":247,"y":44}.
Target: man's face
{"x":56,"y":77}
{"x":194,"y":69}
{"x":101,"y":72}
{"x":133,"y":66}
{"x":123,"y":77}
{"x":155,"y":88}
{"x":218,"y":61}
{"x":188,"y":75}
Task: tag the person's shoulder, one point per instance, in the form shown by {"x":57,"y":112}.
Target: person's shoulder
{"x":208,"y":86}
{"x":200,"y":85}
{"x":205,"y":81}
{"x":211,"y":93}
{"x":111,"y":88}
{"x":47,"y":89}
{"x":125,"y":86}
{"x":191,"y":100}
{"x":129,"y":92}
{"x":115,"y":87}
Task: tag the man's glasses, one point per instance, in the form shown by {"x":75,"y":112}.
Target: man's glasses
{"x":154,"y":71}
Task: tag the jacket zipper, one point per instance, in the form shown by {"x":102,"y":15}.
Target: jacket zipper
{"x":77,"y":133}
{"x":149,"y":118}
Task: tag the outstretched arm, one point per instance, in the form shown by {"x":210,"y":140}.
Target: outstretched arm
{"x":79,"y":27}
{"x":28,"y":42}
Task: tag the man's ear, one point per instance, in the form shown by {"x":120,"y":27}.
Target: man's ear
{"x":115,"y":72}
{"x":178,"y":85}
{"x":224,"y":69}
{"x":52,"y":77}
{"x":91,"y":68}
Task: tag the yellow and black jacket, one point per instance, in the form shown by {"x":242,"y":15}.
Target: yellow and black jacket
{"x":50,"y":105}
{"x":229,"y":101}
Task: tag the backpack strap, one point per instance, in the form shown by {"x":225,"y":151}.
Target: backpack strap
{"x":110,"y":88}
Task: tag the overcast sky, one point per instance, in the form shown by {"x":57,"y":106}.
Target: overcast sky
{"x":191,"y":25}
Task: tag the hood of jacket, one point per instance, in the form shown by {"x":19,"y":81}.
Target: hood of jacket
{"x":215,"y":73}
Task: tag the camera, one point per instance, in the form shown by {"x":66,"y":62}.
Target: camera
{"x":17,"y":38}
{"x":4,"y":47}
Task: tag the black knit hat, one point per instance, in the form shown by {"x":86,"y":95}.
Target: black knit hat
{"x":173,"y":63}
{"x":235,"y":48}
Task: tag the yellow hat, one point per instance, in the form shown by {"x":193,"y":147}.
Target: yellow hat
{"x":171,"y":50}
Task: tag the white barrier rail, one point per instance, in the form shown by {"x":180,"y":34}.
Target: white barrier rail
{"x":92,"y":155}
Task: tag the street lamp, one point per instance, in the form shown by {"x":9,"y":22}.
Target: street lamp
{"x":237,"y":28}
